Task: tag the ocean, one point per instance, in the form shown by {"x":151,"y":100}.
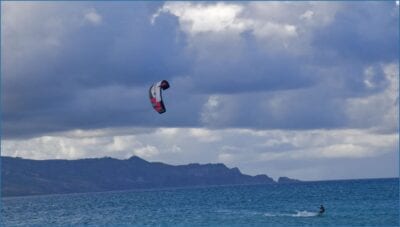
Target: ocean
{"x":372,"y":202}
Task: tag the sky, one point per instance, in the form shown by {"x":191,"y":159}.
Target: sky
{"x":307,"y":90}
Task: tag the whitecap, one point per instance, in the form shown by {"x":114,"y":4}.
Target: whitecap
{"x":297,"y":214}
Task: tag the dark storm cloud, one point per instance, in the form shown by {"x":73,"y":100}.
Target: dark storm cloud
{"x":362,"y":33}
{"x":97,"y":77}
{"x":249,"y":69}
{"x":92,"y":73}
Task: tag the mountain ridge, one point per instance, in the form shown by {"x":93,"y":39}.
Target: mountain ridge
{"x":22,"y":177}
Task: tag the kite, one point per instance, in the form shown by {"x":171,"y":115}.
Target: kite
{"x":156,"y":97}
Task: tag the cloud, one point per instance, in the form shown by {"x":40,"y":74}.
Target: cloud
{"x":93,"y":17}
{"x":203,"y":18}
{"x":356,"y":29}
{"x":65,"y":82}
{"x":266,"y":86}
{"x":241,"y":148}
{"x":380,"y":110}
{"x":90,"y":67}
{"x":204,"y":135}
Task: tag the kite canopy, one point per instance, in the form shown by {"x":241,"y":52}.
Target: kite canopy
{"x":156,"y":97}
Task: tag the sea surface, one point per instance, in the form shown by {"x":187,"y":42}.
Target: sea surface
{"x":348,"y":202}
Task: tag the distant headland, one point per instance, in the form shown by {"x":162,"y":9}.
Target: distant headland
{"x":22,"y":177}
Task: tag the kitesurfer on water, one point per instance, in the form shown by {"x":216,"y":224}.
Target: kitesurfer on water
{"x":321,"y":209}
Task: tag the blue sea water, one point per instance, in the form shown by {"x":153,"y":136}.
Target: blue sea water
{"x":350,"y":203}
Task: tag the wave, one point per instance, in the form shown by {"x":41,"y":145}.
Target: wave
{"x":303,"y":213}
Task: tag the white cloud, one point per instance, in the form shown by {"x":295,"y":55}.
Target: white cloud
{"x":198,"y":18}
{"x":169,"y":132}
{"x":218,"y":109}
{"x":369,"y":74}
{"x":210,"y":109}
{"x":275,"y":25}
{"x":308,"y":15}
{"x":272,"y":143}
{"x":147,"y":151}
{"x":379,"y":110}
{"x":346,"y":150}
{"x":123,"y":143}
{"x":175,"y":149}
{"x":270,"y":30}
{"x":225,"y":158}
{"x":243,"y":148}
{"x":204,"y":135}
{"x":93,"y":17}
